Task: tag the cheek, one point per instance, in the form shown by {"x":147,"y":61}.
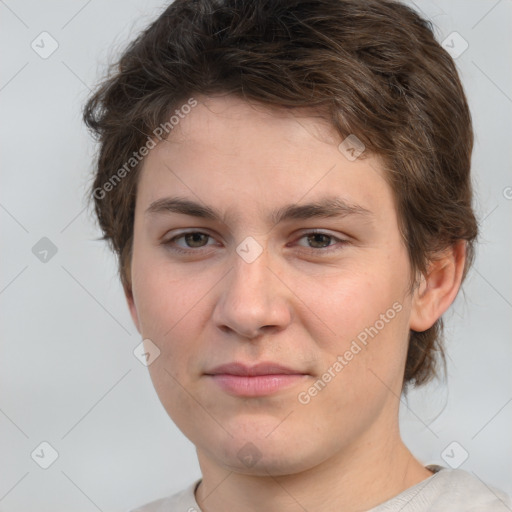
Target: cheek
{"x":171,"y":313}
{"x":364,"y":320}
{"x":346,"y":304}
{"x":163,"y":296}
{"x":172,"y":310}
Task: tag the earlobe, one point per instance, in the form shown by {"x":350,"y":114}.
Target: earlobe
{"x":438,"y":288}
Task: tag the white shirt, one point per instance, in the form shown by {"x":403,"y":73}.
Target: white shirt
{"x":447,"y":490}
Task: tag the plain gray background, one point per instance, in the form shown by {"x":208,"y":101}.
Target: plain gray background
{"x":68,"y":375}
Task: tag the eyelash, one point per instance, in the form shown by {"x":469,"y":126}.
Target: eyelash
{"x":324,"y":250}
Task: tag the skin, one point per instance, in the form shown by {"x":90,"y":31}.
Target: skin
{"x":301,"y":303}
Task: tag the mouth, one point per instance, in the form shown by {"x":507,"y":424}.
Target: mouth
{"x":258,"y":380}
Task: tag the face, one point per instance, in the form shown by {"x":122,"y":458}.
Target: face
{"x":260,"y":245}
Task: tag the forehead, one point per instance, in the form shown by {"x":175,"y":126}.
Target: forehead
{"x":230,"y":150}
{"x":232,"y":114}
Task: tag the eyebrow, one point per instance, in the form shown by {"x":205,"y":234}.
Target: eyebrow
{"x":322,"y":208}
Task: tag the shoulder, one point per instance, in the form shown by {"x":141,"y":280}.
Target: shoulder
{"x":450,"y":490}
{"x":183,"y":501}
{"x":466,"y":491}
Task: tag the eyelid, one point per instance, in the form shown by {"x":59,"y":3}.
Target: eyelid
{"x":318,"y":231}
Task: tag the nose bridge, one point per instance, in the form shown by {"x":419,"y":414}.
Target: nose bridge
{"x":251,"y":298}
{"x":251,"y":274}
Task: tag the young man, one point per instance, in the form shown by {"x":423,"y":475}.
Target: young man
{"x":287,"y":187}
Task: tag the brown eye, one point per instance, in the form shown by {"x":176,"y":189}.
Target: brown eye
{"x":190,"y":242}
{"x":320,"y":243}
{"x":195,"y":240}
{"x":319,"y":240}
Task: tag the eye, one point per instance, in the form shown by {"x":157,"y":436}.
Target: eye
{"x":321,"y":241}
{"x":312,"y":241}
{"x":187,"y":242}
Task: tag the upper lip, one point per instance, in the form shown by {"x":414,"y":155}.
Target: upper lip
{"x":265,"y":368}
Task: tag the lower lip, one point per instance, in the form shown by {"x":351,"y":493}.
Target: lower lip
{"x":257,"y":385}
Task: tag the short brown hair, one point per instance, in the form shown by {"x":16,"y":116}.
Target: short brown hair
{"x":372,"y":67}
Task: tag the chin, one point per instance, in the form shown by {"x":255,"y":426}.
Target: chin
{"x":253,"y":453}
{"x":279,"y":462}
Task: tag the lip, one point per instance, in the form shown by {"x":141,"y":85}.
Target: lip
{"x":264,"y":368}
{"x":257,"y":380}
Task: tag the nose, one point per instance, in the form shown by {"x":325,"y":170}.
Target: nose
{"x":253,"y":300}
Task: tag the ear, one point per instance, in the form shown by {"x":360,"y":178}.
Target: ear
{"x":132,"y":307}
{"x":438,"y":288}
